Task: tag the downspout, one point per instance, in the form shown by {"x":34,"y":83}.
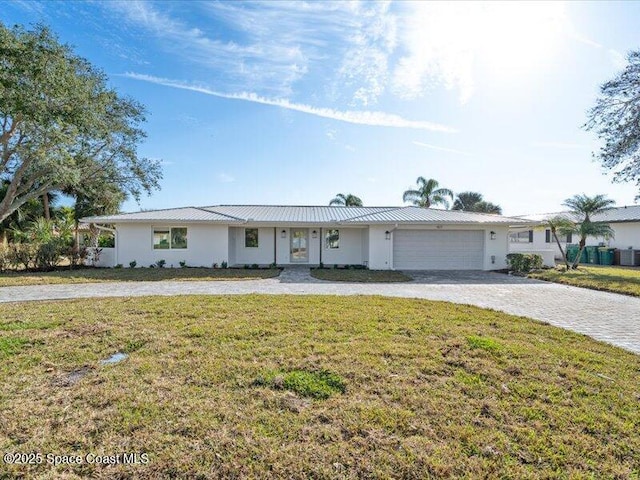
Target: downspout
{"x":275,"y":247}
{"x":320,"y":238}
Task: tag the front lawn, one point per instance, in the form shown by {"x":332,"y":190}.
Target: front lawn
{"x":359,"y":276}
{"x":610,"y":279}
{"x":311,"y":387}
{"x":96,"y":275}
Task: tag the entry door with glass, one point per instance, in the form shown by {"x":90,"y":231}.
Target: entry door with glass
{"x":299,"y":245}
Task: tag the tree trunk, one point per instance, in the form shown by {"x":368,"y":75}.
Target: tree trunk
{"x":45,"y":205}
{"x":94,"y":234}
{"x":582,"y":243}
{"x":564,"y":254}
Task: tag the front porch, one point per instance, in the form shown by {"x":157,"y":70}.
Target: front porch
{"x":295,"y":245}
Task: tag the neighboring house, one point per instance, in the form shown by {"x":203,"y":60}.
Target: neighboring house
{"x":625,"y":222}
{"x":402,"y":238}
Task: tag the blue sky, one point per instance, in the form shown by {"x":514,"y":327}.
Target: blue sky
{"x":293,"y":102}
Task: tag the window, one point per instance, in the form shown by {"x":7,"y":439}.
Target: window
{"x":569,"y":238}
{"x":521,"y":237}
{"x":547,"y":236}
{"x":169,"y":238}
{"x":332,"y":239}
{"x":178,"y":238}
{"x":251,"y":238}
{"x":161,"y":239}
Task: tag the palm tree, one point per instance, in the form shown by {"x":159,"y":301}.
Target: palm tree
{"x":466,"y":200}
{"x":585,"y":207}
{"x":487,"y":207}
{"x":428,"y":194}
{"x":563,"y":226}
{"x":346,"y":200}
{"x":473,"y":202}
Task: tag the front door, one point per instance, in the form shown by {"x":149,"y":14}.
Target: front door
{"x":299,"y":245}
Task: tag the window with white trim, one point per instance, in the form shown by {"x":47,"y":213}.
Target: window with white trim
{"x":332,"y":239}
{"x":174,"y":238}
{"x":521,"y":237}
{"x":251,"y":238}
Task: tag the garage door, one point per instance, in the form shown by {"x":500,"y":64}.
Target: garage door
{"x":438,"y":249}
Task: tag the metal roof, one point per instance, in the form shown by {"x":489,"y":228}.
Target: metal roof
{"x":185,"y":214}
{"x":432,"y":215}
{"x":629,"y":213}
{"x":306,"y":215}
{"x":296,"y":214}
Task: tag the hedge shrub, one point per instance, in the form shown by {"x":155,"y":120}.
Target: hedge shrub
{"x":524,"y":262}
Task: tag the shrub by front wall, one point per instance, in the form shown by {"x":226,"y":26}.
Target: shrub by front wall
{"x":524,"y":262}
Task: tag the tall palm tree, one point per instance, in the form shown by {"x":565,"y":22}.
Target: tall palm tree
{"x":466,"y":200}
{"x":584,"y":208}
{"x":563,"y":226}
{"x":487,"y":207}
{"x":474,"y":202}
{"x":346,"y":200}
{"x":428,"y":193}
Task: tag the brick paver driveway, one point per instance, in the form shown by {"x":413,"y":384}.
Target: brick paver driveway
{"x":605,"y":316}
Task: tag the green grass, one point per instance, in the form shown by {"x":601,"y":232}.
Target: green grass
{"x":360,"y":276}
{"x":11,"y":345}
{"x":610,"y":279}
{"x":312,"y":384}
{"x":419,"y":389}
{"x":487,"y":344}
{"x":96,"y":275}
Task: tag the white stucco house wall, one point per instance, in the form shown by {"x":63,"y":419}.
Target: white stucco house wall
{"x":625,"y":222}
{"x":381,"y":238}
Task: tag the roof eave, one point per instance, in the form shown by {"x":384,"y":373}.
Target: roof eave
{"x":156,"y":220}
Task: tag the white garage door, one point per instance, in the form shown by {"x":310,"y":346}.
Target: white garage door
{"x":438,"y":249}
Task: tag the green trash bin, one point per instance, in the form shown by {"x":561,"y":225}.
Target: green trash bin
{"x":592,"y":255}
{"x":606,"y":255}
{"x":572,"y":252}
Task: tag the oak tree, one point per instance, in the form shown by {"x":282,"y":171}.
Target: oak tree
{"x":62,"y":128}
{"x":615,"y":118}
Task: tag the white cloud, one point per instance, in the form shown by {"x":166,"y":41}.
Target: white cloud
{"x":445,"y":43}
{"x":618,"y":60}
{"x":442,"y":149}
{"x":30,"y":6}
{"x":225,"y":178}
{"x":571,"y":33}
{"x":561,"y":145}
{"x":365,"y":64}
{"x":358,"y":52}
{"x":380,"y":119}
{"x":255,"y":60}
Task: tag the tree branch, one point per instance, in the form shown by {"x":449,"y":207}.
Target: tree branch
{"x":7,"y":134}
